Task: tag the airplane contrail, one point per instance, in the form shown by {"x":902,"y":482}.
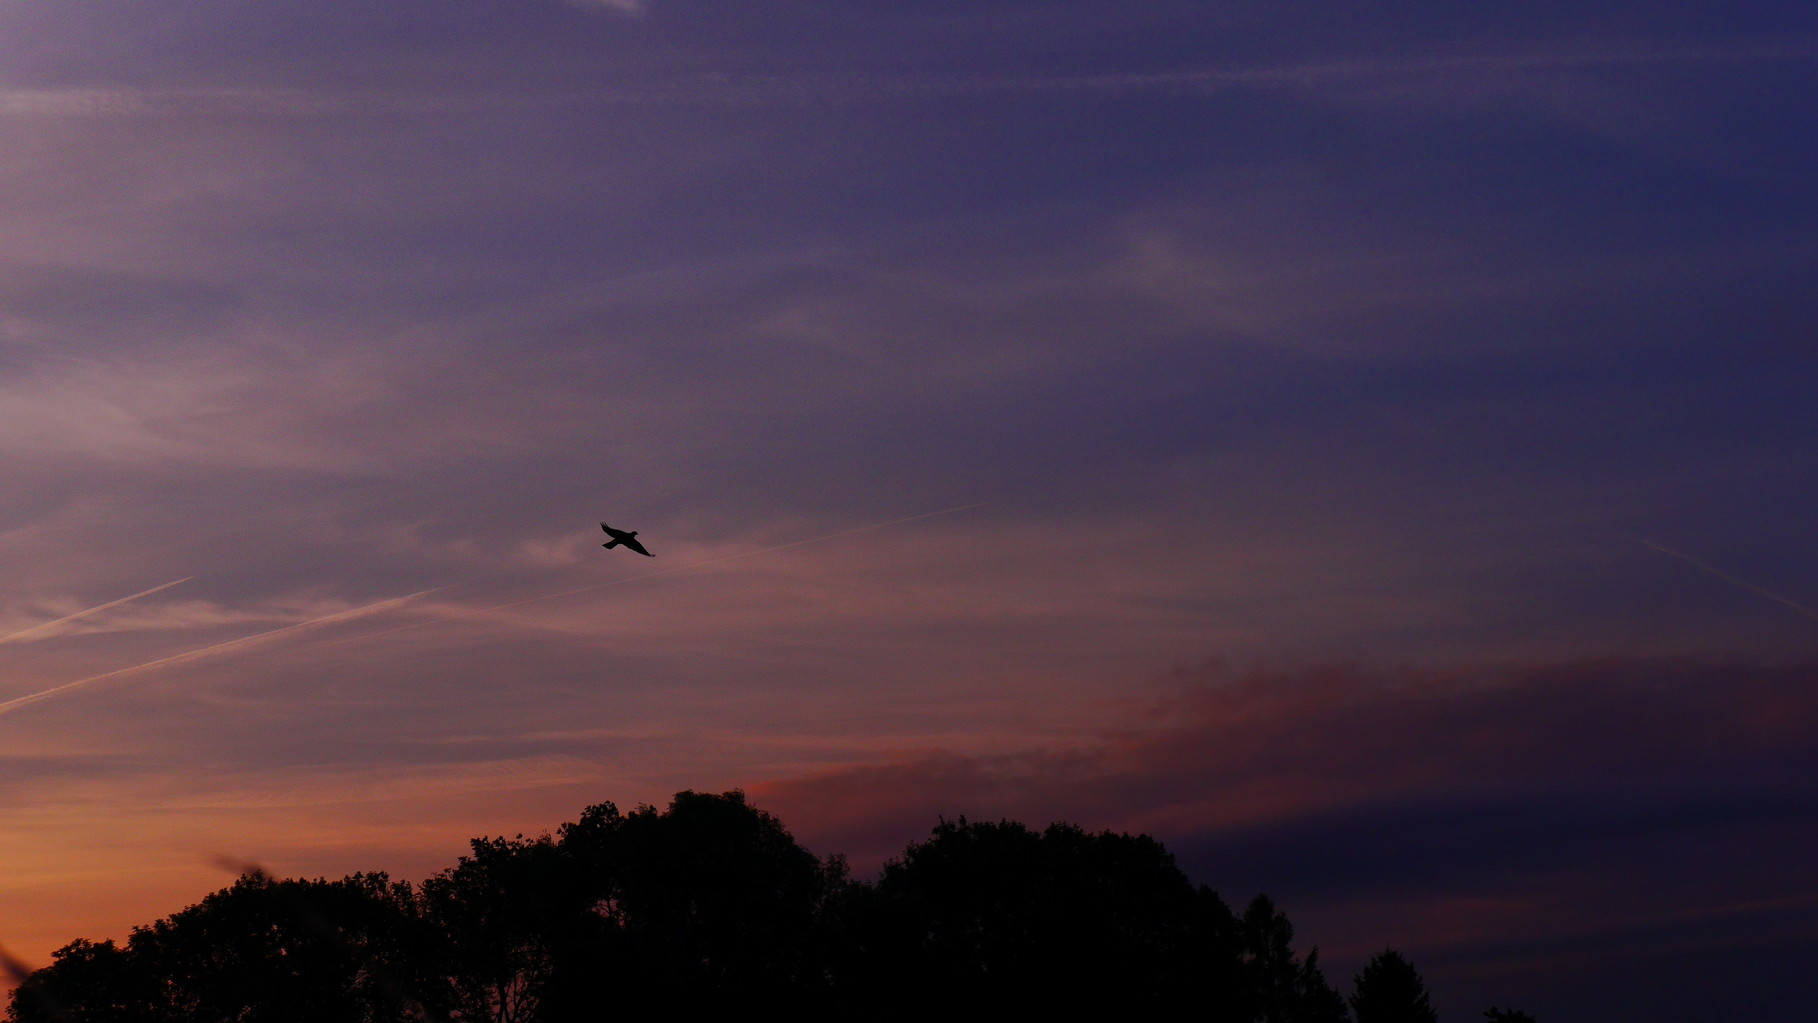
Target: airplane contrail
{"x":242,"y":643}
{"x":691,"y":566}
{"x":1726,"y":577}
{"x":98,"y":608}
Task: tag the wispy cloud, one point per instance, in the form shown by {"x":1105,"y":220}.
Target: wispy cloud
{"x":760,"y":89}
{"x":451,"y":614}
{"x":1267,"y":748}
{"x":177,"y":409}
{"x":47,"y":628}
{"x":234,"y":645}
{"x":632,"y":8}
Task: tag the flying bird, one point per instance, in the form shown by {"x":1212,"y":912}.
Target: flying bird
{"x":625,"y":538}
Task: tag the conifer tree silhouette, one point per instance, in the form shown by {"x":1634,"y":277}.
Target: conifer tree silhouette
{"x":1389,"y":990}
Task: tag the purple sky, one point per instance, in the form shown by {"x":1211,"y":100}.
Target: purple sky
{"x":1374,"y":446}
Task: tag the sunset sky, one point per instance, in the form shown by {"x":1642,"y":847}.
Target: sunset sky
{"x":1370,"y":447}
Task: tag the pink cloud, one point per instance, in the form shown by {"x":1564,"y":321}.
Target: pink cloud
{"x":1253,"y":750}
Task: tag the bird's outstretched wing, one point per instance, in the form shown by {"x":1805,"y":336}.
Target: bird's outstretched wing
{"x":636,"y":546}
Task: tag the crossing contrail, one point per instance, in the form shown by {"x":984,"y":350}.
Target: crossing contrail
{"x":98,"y":608}
{"x":1726,"y":577}
{"x":689,"y":567}
{"x":242,"y":643}
{"x":245,"y":642}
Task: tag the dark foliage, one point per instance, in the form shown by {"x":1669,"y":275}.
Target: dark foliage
{"x":711,"y":904}
{"x":1282,"y":988}
{"x":1495,"y":1015}
{"x":708,"y":906}
{"x":499,"y":922}
{"x":1389,"y":990}
{"x":261,"y":951}
{"x":1000,"y":917}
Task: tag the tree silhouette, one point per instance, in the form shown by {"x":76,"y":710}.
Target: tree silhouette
{"x":1284,"y":989}
{"x":712,"y":899}
{"x":87,"y":982}
{"x":1003,"y":918}
{"x":1495,"y":1015}
{"x":499,"y":921}
{"x":260,"y":951}
{"x":709,"y":905}
{"x":1389,"y":990}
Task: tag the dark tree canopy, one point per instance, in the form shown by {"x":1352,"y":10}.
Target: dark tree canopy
{"x":498,"y":924}
{"x":712,"y":900}
{"x":1283,"y":989}
{"x":1000,"y":916}
{"x":260,"y":951}
{"x":708,"y":905}
{"x":1389,"y":990}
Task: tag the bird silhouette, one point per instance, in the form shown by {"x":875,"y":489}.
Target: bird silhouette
{"x":624,"y":538}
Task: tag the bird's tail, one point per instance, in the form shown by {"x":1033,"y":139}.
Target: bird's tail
{"x":610,"y":545}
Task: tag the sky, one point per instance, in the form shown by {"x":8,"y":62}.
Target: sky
{"x":1367,"y":446}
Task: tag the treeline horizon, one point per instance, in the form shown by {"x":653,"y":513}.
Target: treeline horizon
{"x":711,"y":905}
